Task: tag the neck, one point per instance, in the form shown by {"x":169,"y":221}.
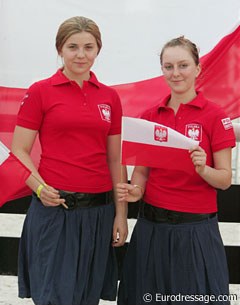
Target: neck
{"x":177,"y":99}
{"x":79,"y":79}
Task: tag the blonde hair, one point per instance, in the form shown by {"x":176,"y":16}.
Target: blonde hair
{"x":76,"y":25}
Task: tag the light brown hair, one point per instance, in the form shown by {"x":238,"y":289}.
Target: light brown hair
{"x":76,"y":25}
{"x":182,"y":42}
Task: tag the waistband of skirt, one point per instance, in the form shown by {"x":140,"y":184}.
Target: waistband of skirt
{"x":74,"y":200}
{"x":161,"y":215}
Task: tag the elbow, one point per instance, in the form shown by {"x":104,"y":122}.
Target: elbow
{"x":224,"y":187}
{"x":225,"y":179}
{"x":225,"y":184}
{"x":16,"y":151}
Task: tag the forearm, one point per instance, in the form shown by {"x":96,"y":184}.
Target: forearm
{"x":22,"y":143}
{"x":119,"y":174}
{"x":217,"y":178}
{"x":139,"y":177}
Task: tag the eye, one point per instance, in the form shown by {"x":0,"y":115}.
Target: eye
{"x":72,"y":46}
{"x":90,"y":47}
{"x":168,"y":67}
{"x":183,"y":66}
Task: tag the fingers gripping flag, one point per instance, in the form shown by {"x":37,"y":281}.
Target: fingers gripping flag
{"x":151,"y":144}
{"x":13,"y":175}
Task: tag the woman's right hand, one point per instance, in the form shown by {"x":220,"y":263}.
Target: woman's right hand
{"x":129,"y":192}
{"x":49,"y":196}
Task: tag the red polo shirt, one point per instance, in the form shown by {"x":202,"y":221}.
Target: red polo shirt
{"x":203,"y":121}
{"x":73,"y":125}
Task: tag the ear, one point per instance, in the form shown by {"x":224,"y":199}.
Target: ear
{"x":199,"y":69}
{"x":60,"y":53}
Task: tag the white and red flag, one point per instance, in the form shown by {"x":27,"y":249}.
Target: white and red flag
{"x":151,"y":144}
{"x":13,"y":175}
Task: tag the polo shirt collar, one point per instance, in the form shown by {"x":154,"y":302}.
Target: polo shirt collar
{"x":59,"y":78}
{"x":199,"y":101}
{"x":93,"y":79}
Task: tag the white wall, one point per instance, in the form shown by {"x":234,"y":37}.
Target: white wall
{"x":133,"y":33}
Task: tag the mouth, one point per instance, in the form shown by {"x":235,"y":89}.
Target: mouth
{"x":80,"y":63}
{"x":177,"y":81}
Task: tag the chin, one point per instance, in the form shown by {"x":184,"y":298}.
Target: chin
{"x":178,"y":90}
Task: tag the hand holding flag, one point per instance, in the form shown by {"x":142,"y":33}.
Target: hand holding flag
{"x":13,"y":174}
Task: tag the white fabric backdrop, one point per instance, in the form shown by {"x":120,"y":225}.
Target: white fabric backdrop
{"x":133,"y":32}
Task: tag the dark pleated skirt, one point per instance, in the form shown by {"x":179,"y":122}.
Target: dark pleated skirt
{"x":66,"y":257}
{"x":183,"y":259}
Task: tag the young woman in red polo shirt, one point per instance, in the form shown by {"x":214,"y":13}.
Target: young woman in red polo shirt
{"x":66,"y":249}
{"x":176,"y":253}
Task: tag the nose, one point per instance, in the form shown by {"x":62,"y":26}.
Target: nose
{"x":80,"y":53}
{"x":175,"y":71}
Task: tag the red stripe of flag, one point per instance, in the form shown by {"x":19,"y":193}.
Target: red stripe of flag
{"x":156,"y":156}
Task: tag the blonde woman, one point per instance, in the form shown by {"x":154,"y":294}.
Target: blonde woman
{"x":66,"y":250}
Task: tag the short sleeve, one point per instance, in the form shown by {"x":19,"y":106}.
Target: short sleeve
{"x":116,"y":114}
{"x":30,"y":114}
{"x":222,"y":133}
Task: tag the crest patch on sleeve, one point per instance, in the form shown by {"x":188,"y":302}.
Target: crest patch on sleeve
{"x":227,"y":123}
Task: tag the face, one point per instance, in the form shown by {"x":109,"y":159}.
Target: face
{"x":79,"y":53}
{"x":179,"y":69}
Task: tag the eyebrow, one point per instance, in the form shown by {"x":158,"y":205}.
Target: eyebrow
{"x":75,"y":44}
{"x":179,"y":62}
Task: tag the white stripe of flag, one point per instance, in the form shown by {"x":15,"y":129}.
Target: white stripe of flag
{"x":4,"y":153}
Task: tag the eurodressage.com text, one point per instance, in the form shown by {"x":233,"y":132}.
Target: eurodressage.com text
{"x":158,"y":297}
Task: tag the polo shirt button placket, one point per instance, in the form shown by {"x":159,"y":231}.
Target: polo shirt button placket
{"x":85,"y":99}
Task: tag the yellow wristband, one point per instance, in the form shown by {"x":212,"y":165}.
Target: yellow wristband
{"x":39,"y":189}
{"x":138,"y":186}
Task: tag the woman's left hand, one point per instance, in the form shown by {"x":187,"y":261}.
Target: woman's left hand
{"x":199,"y":158}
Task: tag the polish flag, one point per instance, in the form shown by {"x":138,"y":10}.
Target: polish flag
{"x":151,"y":144}
{"x":13,"y":175}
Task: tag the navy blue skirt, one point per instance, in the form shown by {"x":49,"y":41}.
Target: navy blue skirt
{"x":174,"y":264}
{"x":66,"y":257}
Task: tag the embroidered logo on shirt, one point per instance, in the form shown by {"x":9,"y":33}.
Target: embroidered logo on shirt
{"x":227,"y":123}
{"x":105,"y":112}
{"x":194,"y":131}
{"x":160,"y":133}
